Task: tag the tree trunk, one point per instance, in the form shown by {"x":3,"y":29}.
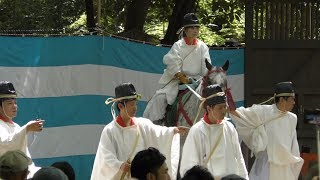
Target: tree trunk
{"x":181,"y":8}
{"x":136,"y":15}
{"x":90,"y":15}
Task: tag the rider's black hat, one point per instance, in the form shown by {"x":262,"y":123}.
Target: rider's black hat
{"x":190,"y":19}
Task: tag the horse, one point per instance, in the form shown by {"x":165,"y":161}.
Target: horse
{"x":184,"y":110}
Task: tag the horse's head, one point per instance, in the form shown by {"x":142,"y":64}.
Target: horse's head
{"x":216,"y":75}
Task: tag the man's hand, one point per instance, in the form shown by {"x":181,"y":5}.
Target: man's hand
{"x":182,"y":78}
{"x":35,"y":125}
{"x":125,"y":167}
{"x":182,"y":130}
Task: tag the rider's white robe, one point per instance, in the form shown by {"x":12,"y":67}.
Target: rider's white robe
{"x":189,"y":59}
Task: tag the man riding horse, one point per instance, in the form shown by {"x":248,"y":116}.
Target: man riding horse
{"x":185,"y":61}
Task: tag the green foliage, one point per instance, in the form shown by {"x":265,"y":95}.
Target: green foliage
{"x":58,"y":14}
{"x":39,"y":14}
{"x":227,"y":14}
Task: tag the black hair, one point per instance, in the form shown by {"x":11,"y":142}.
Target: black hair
{"x":147,"y":161}
{"x":66,"y":168}
{"x":277,"y":99}
{"x":6,"y":175}
{"x":198,"y":172}
{"x":4,"y":99}
{"x":233,"y":177}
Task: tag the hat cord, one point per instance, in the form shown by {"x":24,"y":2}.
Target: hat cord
{"x":202,"y":102}
{"x":5,"y":112}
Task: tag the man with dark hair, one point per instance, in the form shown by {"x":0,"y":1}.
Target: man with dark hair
{"x":233,"y":177}
{"x":12,"y":136}
{"x":149,"y":164}
{"x":185,"y":60}
{"x":66,"y":168}
{"x":213,"y":141}
{"x":198,"y":172}
{"x":14,"y":165}
{"x":126,"y":135}
{"x":50,"y":173}
{"x":270,"y":132}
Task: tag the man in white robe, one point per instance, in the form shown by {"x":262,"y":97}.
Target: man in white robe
{"x":270,"y":132}
{"x":186,"y":59}
{"x":12,"y":136}
{"x":213,"y":141}
{"x":126,"y":135}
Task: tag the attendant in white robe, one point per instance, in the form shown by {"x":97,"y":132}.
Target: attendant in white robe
{"x":12,"y":136}
{"x":126,"y":135}
{"x":213,"y":141}
{"x":186,"y":59}
{"x":270,"y":132}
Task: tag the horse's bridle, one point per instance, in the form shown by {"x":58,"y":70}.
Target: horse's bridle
{"x":205,"y":81}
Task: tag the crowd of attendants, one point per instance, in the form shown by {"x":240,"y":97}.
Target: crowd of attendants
{"x":14,"y":166}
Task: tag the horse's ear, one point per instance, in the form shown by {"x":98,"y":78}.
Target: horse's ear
{"x":225,"y":67}
{"x":208,"y":65}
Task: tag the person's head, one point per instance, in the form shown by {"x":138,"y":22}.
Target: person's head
{"x":66,"y":168}
{"x":49,"y":173}
{"x":14,"y":165}
{"x":149,"y":164}
{"x":191,"y":25}
{"x":284,"y":96}
{"x":198,"y":172}
{"x":215,"y":105}
{"x":8,"y":103}
{"x":128,"y":105}
{"x":233,"y":177}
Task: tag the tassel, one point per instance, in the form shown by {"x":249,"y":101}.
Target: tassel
{"x":230,"y":101}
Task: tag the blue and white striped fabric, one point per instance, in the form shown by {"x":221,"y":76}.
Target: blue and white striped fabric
{"x":65,"y":81}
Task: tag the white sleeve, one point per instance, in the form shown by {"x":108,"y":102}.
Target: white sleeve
{"x":162,"y":138}
{"x":295,"y":151}
{"x":191,"y":152}
{"x":239,"y":157}
{"x":106,"y":164}
{"x":108,"y":152}
{"x":173,"y":60}
{"x":15,"y":140}
{"x":155,"y":135}
{"x":250,"y":127}
{"x":206,"y":55}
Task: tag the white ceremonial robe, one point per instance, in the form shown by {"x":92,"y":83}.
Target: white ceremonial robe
{"x":14,"y":137}
{"x":188,"y":59}
{"x":227,"y":158}
{"x":117,"y":142}
{"x":272,"y":136}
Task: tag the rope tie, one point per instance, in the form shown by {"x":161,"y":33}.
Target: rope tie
{"x":114,"y":100}
{"x":8,"y":95}
{"x":202,"y":99}
{"x":277,"y":95}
